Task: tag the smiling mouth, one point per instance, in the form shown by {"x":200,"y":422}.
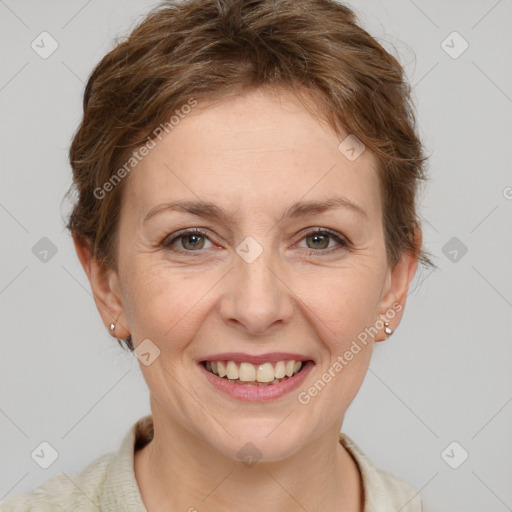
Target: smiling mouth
{"x":266,"y":374}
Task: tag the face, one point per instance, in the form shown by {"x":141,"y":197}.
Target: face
{"x":264,"y":276}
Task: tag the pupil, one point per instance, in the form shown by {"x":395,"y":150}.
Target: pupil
{"x":315,"y":238}
{"x":192,"y":237}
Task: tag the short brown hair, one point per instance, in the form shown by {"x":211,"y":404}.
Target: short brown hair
{"x":209,"y":49}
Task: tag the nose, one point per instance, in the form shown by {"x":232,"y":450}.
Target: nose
{"x":256,"y":299}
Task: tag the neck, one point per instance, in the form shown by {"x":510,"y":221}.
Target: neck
{"x":178,"y":471}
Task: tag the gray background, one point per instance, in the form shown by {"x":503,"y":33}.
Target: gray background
{"x":444,"y":375}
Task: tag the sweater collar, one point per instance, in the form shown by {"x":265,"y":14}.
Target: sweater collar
{"x":121,"y":491}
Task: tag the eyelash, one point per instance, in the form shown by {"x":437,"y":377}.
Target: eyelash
{"x":322,"y":231}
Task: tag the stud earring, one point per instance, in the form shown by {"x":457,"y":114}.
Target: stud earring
{"x":387,"y":329}
{"x":112,"y":327}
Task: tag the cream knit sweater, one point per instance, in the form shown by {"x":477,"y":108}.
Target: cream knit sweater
{"x":108,"y":484}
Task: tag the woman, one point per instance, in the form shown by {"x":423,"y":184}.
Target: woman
{"x":246,"y":176}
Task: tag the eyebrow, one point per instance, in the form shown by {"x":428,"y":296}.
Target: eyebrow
{"x":297,"y":210}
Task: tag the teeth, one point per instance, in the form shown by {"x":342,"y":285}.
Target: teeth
{"x":221,"y":369}
{"x":290,"y":366}
{"x":265,"y":373}
{"x":232,"y":370}
{"x":247,"y":372}
{"x":280,"y":369}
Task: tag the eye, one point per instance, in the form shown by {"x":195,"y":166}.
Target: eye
{"x":320,"y":239}
{"x":191,"y":240}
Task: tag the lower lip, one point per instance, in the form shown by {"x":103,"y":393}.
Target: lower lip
{"x":255,"y":393}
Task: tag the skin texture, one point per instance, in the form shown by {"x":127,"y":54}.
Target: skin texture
{"x":253,"y":156}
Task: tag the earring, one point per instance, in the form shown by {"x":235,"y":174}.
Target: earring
{"x":387,"y":329}
{"x":112,"y":327}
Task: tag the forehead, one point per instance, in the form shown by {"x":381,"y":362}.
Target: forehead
{"x":258,"y":150}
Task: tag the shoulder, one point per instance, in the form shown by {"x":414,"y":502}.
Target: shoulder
{"x":107,"y":484}
{"x":401,"y":494}
{"x":63,"y":492}
{"x":383,"y":491}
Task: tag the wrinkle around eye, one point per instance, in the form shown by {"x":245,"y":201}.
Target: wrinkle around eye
{"x":339,"y":242}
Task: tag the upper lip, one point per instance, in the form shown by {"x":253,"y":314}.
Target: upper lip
{"x":256,"y":359}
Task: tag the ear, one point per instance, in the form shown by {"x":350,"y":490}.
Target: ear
{"x":398,"y":280}
{"x":105,"y":289}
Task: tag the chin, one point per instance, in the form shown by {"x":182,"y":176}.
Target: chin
{"x":259,"y":441}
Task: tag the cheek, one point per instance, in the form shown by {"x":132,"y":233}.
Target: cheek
{"x":344,"y":324}
{"x":158,"y":303}
{"x":347,"y":304}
